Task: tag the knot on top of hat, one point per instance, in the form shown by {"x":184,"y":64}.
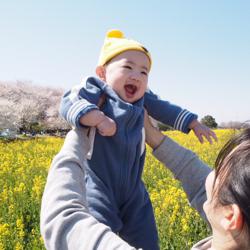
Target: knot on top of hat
{"x":114,"y":34}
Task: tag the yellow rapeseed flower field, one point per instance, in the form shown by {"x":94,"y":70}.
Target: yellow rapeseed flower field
{"x":23,"y":170}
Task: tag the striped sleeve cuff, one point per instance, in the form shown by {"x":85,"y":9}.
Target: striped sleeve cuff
{"x":183,"y":120}
{"x":77,"y":110}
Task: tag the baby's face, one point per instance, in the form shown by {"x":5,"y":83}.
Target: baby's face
{"x":127,"y":74}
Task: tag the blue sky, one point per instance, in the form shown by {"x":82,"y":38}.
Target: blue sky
{"x":200,"y":49}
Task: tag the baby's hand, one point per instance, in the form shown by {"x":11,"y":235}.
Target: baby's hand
{"x":96,"y":118}
{"x":201,"y":130}
{"x":107,"y":127}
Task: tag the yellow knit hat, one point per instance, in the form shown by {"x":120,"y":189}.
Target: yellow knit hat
{"x":115,"y":43}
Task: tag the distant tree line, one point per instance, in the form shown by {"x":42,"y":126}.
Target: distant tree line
{"x":210,"y":122}
{"x":27,"y":108}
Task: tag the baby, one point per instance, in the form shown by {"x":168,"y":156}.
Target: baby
{"x":114,"y":103}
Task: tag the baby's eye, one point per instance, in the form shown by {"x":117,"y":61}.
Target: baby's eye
{"x":127,"y":67}
{"x":144,"y":73}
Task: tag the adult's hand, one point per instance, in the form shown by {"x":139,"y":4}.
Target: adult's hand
{"x":153,"y":136}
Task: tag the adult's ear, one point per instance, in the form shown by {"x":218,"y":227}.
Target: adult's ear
{"x":232,"y":219}
{"x":101,"y":72}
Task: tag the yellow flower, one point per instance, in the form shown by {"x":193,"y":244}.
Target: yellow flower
{"x":4,"y":194}
{"x":4,"y":230}
{"x":18,"y":246}
{"x":11,"y":209}
{"x":38,"y":185}
{"x":20,"y":228}
{"x":20,"y":188}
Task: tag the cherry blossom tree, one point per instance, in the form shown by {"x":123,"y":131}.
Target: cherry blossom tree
{"x":24,"y":106}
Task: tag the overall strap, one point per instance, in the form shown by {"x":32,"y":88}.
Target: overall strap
{"x":92,"y":130}
{"x":101,"y":100}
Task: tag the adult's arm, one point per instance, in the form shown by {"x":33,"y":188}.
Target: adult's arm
{"x":65,"y":221}
{"x":187,"y":168}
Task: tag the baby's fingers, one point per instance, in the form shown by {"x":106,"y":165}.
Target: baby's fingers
{"x":213,"y":135}
{"x":210,"y":135}
{"x":199,"y":136}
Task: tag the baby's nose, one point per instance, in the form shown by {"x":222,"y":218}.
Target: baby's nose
{"x":135,"y":76}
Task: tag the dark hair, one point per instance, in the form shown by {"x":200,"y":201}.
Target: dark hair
{"x":232,"y":168}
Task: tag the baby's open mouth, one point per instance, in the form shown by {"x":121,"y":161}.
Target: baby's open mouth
{"x":130,"y":90}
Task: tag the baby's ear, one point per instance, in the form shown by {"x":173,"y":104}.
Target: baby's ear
{"x":101,"y":72}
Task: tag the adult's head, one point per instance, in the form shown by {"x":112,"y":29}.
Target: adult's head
{"x":228,"y":194}
{"x":124,"y":64}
